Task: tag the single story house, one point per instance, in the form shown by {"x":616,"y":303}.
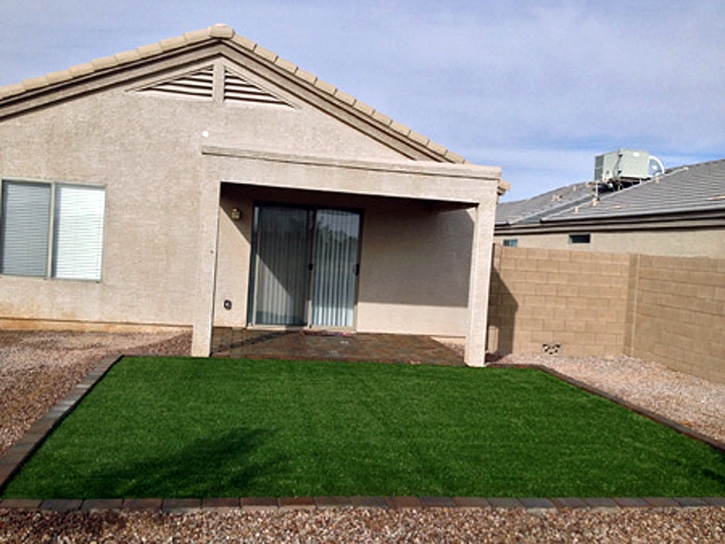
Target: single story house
{"x":204,"y":181}
{"x":680,"y":212}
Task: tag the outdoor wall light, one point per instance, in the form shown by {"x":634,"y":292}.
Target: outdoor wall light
{"x":236,"y":214}
{"x":227,"y":304}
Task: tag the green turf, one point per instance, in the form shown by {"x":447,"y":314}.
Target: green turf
{"x":172,"y":427}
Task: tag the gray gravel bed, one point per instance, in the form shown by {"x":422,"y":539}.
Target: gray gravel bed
{"x":39,"y":368}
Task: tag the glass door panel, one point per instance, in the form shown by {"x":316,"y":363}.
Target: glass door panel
{"x":336,"y":253}
{"x":283,"y":257}
{"x":306,"y":267}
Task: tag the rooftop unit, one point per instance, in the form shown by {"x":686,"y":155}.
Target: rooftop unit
{"x":622,"y":165}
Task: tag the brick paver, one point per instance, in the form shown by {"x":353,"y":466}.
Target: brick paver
{"x":385,"y":348}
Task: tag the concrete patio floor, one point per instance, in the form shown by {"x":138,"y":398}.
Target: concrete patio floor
{"x":313,"y":345}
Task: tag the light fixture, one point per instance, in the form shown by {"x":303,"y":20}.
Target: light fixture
{"x":236,"y":214}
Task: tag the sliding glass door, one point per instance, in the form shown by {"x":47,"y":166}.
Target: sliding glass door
{"x":306,"y":266}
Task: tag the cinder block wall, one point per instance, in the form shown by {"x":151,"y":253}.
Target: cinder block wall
{"x":571,"y":302}
{"x":670,"y":310}
{"x":679,"y":314}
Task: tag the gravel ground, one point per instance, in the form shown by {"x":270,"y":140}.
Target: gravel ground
{"x":39,"y":368}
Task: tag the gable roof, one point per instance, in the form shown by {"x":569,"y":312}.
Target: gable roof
{"x":12,"y":95}
{"x":691,"y":190}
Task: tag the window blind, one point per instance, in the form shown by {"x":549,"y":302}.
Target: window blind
{"x":78,"y":233}
{"x":25,"y":227}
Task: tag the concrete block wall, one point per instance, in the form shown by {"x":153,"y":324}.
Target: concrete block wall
{"x":679,"y":314}
{"x":574,"y":303}
{"x":670,"y":310}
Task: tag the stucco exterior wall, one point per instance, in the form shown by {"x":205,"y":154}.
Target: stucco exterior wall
{"x":703,"y":242}
{"x":145,"y":150}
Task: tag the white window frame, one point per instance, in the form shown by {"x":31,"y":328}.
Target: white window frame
{"x":58,"y":247}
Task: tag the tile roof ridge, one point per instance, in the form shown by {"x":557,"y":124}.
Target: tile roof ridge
{"x":693,"y":165}
{"x":224,"y":32}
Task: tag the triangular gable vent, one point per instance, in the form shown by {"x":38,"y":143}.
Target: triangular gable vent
{"x":198,"y":84}
{"x":237,"y":89}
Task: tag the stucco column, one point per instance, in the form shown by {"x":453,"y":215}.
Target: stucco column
{"x":479,"y":284}
{"x":206,"y":269}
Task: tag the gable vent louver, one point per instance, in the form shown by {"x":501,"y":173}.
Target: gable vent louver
{"x":237,"y":89}
{"x":199,"y":84}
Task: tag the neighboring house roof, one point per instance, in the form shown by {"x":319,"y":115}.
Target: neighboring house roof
{"x":693,"y":190}
{"x":12,"y":94}
{"x":532,"y":210}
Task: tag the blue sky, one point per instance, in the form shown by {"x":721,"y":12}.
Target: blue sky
{"x":538,"y":88}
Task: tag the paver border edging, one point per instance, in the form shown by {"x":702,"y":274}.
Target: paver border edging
{"x":19,"y":452}
{"x":293,"y":504}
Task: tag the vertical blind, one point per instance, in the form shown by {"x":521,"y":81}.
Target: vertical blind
{"x":282,"y":266}
{"x":25,"y":228}
{"x":306,"y":257}
{"x":75,"y":236}
{"x":336,"y":256}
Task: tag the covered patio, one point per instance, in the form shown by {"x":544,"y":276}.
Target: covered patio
{"x":424,"y":252}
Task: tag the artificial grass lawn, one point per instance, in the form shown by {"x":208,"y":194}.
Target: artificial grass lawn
{"x":174,"y":427}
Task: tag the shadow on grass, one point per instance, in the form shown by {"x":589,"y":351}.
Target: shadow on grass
{"x":223,"y":466}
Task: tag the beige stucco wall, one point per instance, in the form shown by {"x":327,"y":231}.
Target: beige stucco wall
{"x":164,"y":251}
{"x":704,"y":242}
{"x":146,"y":151}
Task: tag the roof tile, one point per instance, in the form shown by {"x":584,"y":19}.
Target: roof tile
{"x":306,"y":76}
{"x":11,"y":90}
{"x":244,"y":42}
{"x":199,"y":35}
{"x":81,"y":69}
{"x":169,"y":44}
{"x":265,"y":53}
{"x":220,"y":30}
{"x":59,"y":77}
{"x":438,"y":148}
{"x":384,"y":119}
{"x":363,"y":107}
{"x":149,"y":50}
{"x":127,"y":56}
{"x":104,"y":62}
{"x":399,"y":127}
{"x":455,"y":157}
{"x":290,"y":67}
{"x":417,"y":137}
{"x":344,"y":97}
{"x":324,"y":86}
{"x":35,"y":83}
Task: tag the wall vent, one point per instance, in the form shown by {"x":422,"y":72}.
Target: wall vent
{"x":551,"y":349}
{"x":237,"y":89}
{"x":199,"y":84}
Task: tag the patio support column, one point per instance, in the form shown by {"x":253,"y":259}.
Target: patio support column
{"x":206,"y":269}
{"x":479,"y":284}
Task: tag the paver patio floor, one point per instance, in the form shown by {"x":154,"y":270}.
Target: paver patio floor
{"x":305,"y":344}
